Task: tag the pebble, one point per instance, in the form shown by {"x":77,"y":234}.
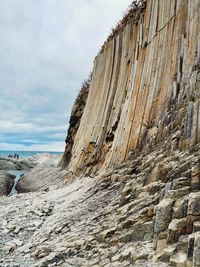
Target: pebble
{"x":17,"y":230}
{"x":11,"y":227}
{"x":39,"y":213}
{"x":9,"y":247}
{"x":37,"y":224}
{"x":6,"y":231}
{"x":25,"y":248}
{"x":31,"y":229}
{"x":17,"y":242}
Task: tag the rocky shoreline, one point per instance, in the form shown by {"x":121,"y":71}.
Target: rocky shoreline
{"x":129,"y":193}
{"x":43,"y":176}
{"x":17,"y":164}
{"x":143,"y":213}
{"x":32,"y":166}
{"x":12,"y":164}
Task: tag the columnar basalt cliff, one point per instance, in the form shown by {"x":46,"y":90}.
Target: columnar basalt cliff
{"x":127,"y":191}
{"x":74,"y":123}
{"x":144,"y":92}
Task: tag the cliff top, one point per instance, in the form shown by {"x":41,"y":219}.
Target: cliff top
{"x":133,"y":13}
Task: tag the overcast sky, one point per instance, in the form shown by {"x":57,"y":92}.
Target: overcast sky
{"x":47,"y":48}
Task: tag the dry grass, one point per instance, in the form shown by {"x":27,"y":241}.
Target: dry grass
{"x":133,"y":11}
{"x":86,"y":84}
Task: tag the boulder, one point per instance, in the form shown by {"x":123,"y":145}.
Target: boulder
{"x":196,"y":256}
{"x":7,"y":164}
{"x":6,"y":183}
{"x":163,"y":215}
{"x":18,"y":164}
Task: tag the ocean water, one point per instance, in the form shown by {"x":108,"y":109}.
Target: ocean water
{"x":5,"y":153}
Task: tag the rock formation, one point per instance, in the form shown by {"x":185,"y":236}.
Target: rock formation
{"x":8,"y":164}
{"x":144,"y":90}
{"x":132,"y":165}
{"x":6,"y":183}
{"x":17,"y":164}
{"x":74,"y":123}
{"x":43,"y":175}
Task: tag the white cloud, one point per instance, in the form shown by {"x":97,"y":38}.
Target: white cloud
{"x":44,"y":58}
{"x":54,"y":146}
{"x":13,"y":127}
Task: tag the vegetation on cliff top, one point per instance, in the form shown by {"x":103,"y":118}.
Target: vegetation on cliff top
{"x":133,"y":12}
{"x":86,"y":83}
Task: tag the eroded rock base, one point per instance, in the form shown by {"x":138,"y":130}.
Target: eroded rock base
{"x":145,"y":213}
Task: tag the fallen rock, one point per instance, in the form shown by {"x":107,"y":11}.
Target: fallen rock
{"x":179,"y":260}
{"x":194,"y":204}
{"x":196,"y":256}
{"x":176,"y":228}
{"x":163,"y":213}
{"x":9,"y":247}
{"x":17,"y":242}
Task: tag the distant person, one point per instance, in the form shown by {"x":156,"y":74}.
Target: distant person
{"x":16,"y":156}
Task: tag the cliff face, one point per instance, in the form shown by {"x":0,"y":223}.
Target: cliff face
{"x":142,"y":108}
{"x":144,"y":91}
{"x":74,"y":123}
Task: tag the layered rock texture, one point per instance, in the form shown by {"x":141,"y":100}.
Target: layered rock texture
{"x":74,"y":123}
{"x":43,"y":176}
{"x":6,"y":183}
{"x":145,"y":213}
{"x":17,"y":164}
{"x":8,"y":164}
{"x":144,"y":92}
{"x":142,"y":113}
{"x":131,"y":180}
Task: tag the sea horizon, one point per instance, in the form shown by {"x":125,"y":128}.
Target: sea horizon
{"x":27,"y":153}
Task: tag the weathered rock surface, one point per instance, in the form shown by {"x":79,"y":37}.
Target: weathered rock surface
{"x":27,"y":163}
{"x":136,"y":198}
{"x":125,"y":217}
{"x":41,"y":172}
{"x":144,"y":90}
{"x":41,"y":178}
{"x":21,"y":163}
{"x":6,"y":183}
{"x":17,"y":164}
{"x":74,"y":123}
{"x":43,"y":175}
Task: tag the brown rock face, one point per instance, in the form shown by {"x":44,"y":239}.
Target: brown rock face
{"x":144,"y":92}
{"x":139,"y":130}
{"x":138,"y":126}
{"x":76,"y":114}
{"x":6,"y":183}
